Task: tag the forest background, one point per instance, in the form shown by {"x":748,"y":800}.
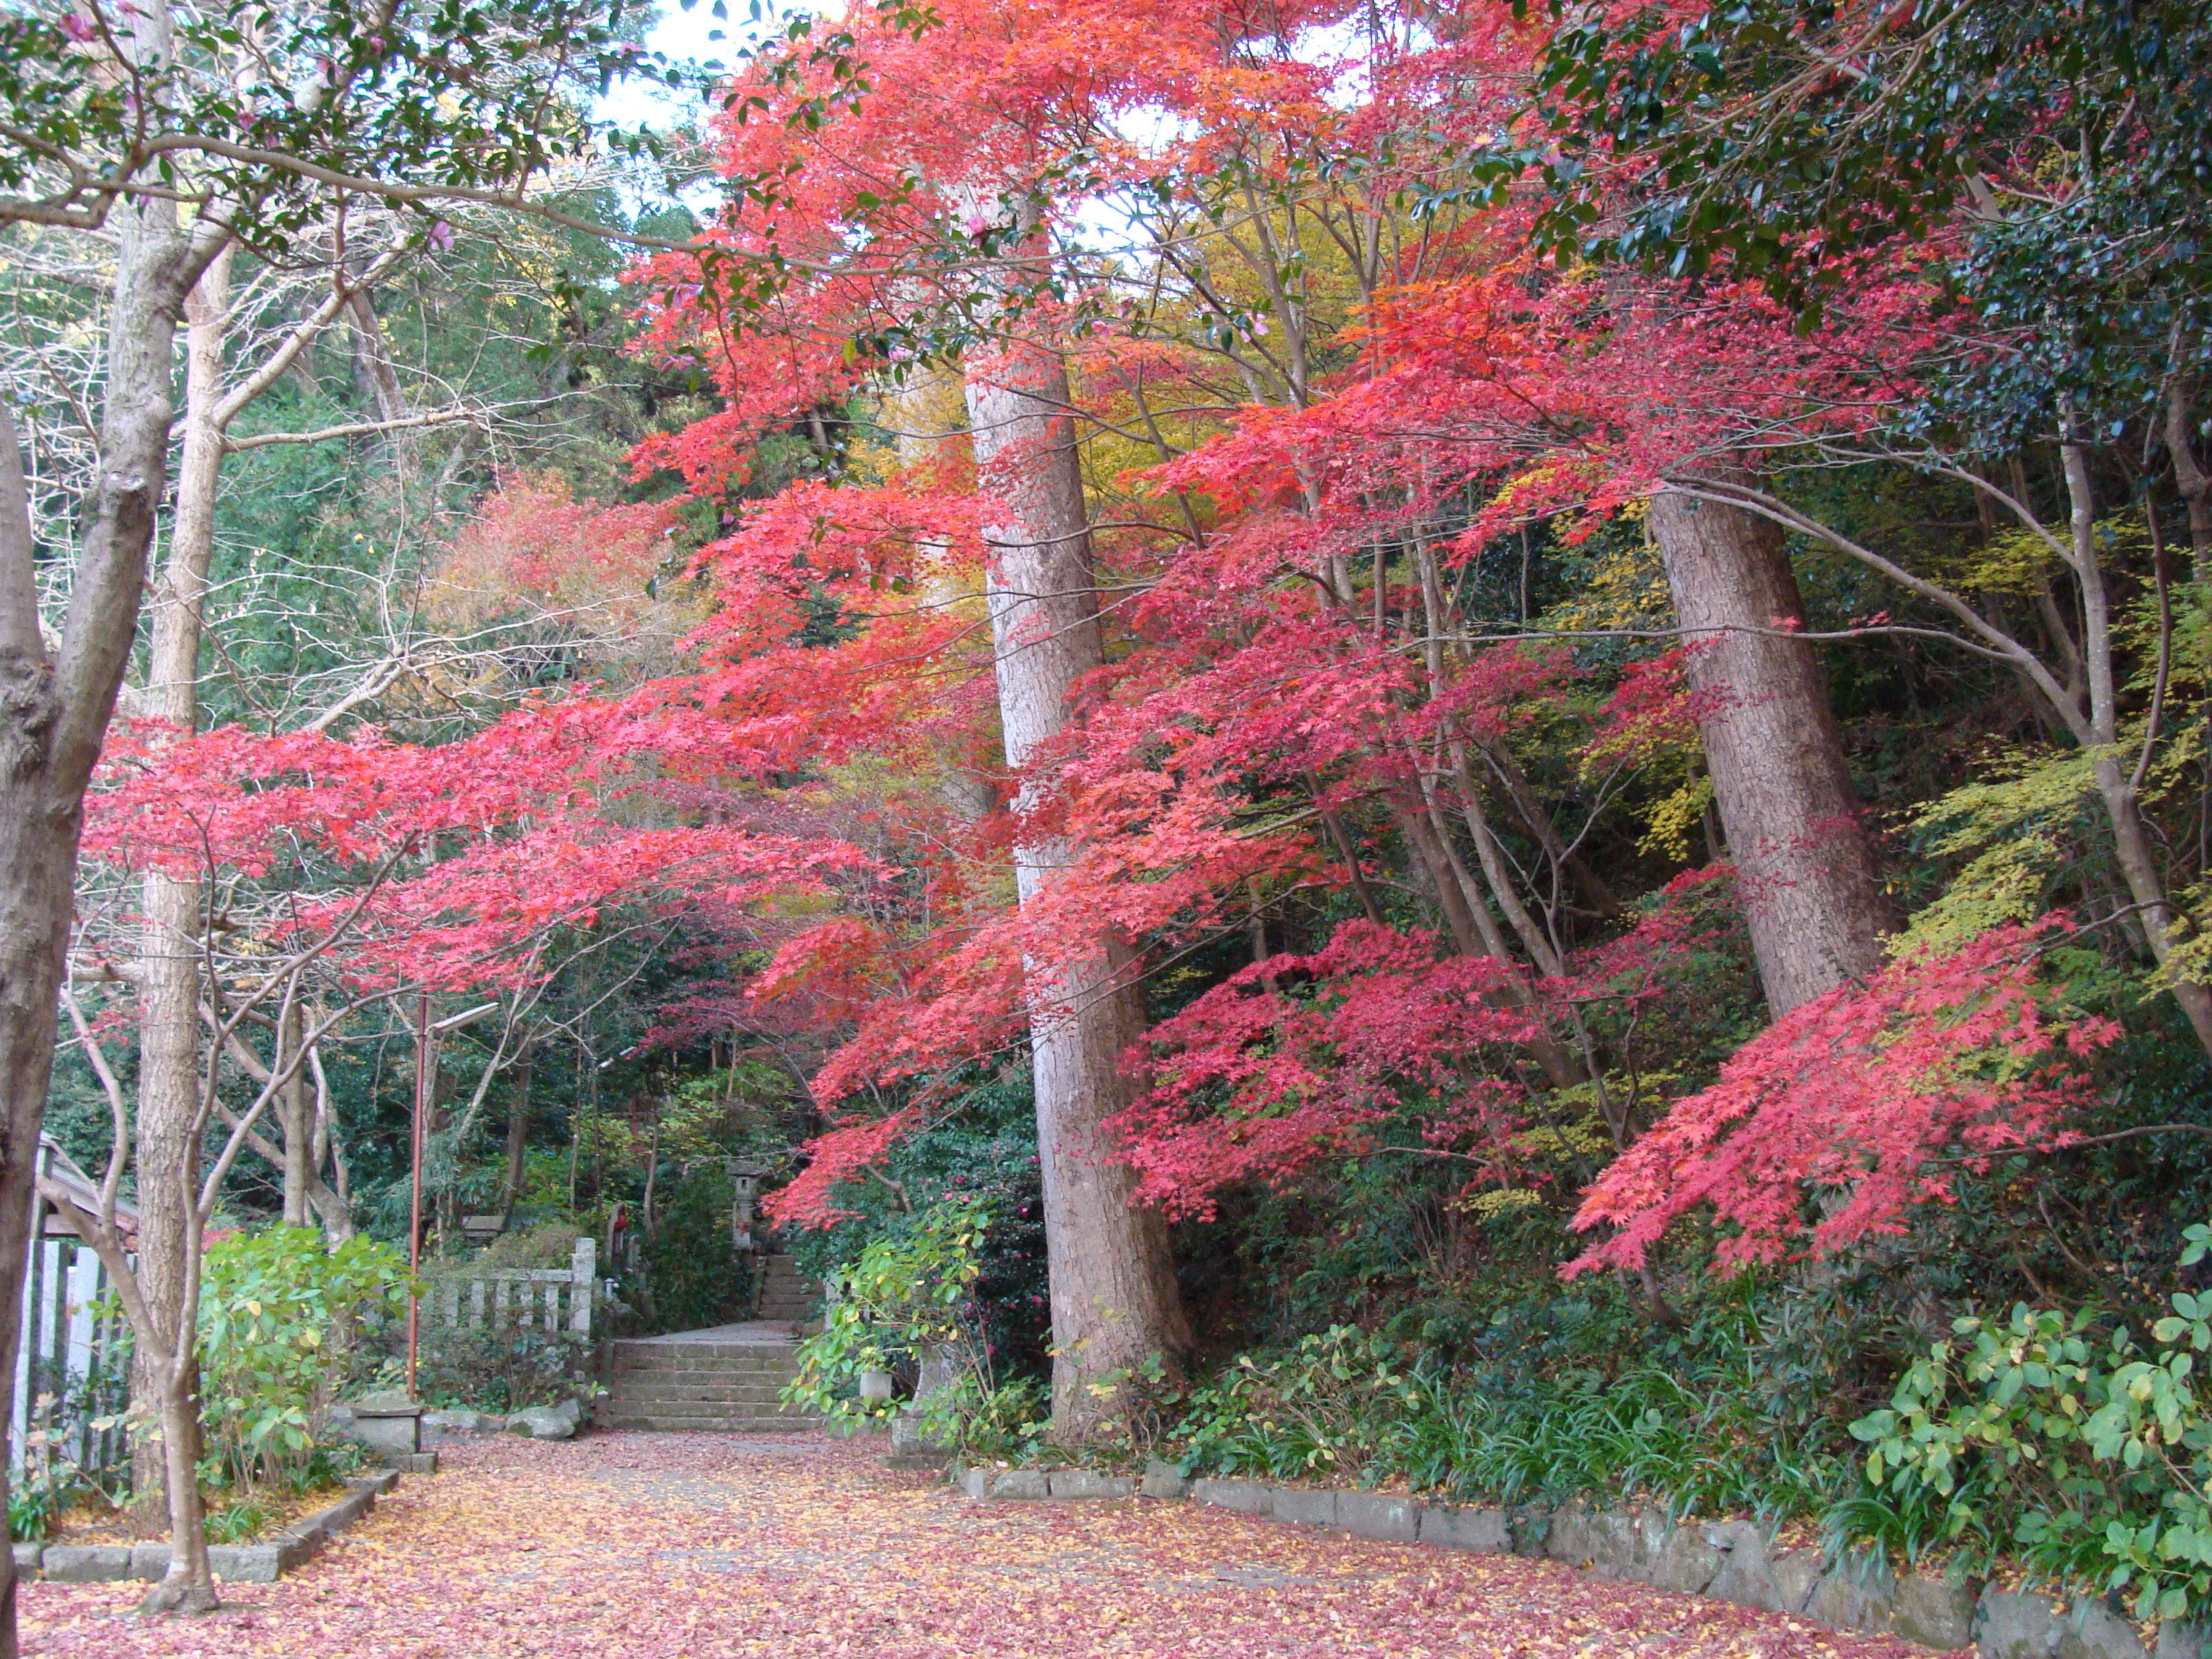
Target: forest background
{"x":1452,"y":743}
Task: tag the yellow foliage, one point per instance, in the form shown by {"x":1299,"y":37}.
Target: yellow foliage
{"x":1670,"y":821}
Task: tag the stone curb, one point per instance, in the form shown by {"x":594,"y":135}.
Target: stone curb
{"x":237,"y":1564}
{"x":1733,"y":1561}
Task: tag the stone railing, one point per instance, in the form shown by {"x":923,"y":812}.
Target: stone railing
{"x":524,"y":1298}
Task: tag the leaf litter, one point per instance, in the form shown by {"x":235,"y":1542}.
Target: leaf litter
{"x":677,"y":1546}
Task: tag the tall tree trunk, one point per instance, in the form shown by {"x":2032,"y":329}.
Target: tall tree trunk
{"x":1114,"y":1304}
{"x":39,"y":821}
{"x":52,"y":716}
{"x":2191,"y":479}
{"x":170,"y":1079}
{"x":2118,"y":783}
{"x":1773,"y":749}
{"x":169,"y":1070}
{"x":518,"y":1139}
{"x":295,"y":1121}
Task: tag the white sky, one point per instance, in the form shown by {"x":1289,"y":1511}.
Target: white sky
{"x":677,"y":34}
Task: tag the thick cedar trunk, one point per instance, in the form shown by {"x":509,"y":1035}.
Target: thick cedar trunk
{"x":1114,"y":1304}
{"x":1775,"y":754}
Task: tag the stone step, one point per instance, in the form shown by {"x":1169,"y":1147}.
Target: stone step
{"x":769,"y":1397}
{"x":650,"y":1415}
{"x":659,"y":1390}
{"x":737,"y":1360}
{"x":706,"y":1408}
{"x":648,"y":1425}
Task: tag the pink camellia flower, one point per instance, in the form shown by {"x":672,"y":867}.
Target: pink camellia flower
{"x":441,"y":236}
{"x":77,"y":29}
{"x":977,"y":224}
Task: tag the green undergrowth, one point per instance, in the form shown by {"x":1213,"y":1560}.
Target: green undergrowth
{"x":1353,"y":1408}
{"x":2066,"y":1447}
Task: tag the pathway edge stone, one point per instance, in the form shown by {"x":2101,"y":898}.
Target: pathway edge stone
{"x":1732,"y":1561}
{"x":237,"y":1564}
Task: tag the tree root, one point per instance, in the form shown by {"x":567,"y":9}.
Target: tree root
{"x":176,"y":1592}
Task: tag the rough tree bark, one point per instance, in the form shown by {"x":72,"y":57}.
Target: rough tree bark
{"x":2120,"y":781}
{"x":53,"y":715}
{"x":1114,"y":1304}
{"x":518,"y":1138}
{"x":1776,"y":756}
{"x":168,"y":954}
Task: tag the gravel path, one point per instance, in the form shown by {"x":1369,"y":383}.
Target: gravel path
{"x":625,"y":1546}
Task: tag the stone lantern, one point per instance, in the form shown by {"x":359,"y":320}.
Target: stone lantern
{"x":744,"y":1187}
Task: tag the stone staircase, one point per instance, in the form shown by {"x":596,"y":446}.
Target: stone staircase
{"x":724,"y":1381}
{"x":784,"y":1295}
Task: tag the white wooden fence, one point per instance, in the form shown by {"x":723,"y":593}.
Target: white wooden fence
{"x":528,"y":1298}
{"x":64,"y":1374}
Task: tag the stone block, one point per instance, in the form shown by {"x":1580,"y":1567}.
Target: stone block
{"x":1934,"y":1611}
{"x":910,"y":1445}
{"x":343,"y":1513}
{"x":415,"y":1463}
{"x":1611,"y":1544}
{"x":1164,"y":1480}
{"x":1306,"y":1506}
{"x":1089,"y":1483}
{"x":1531,"y":1527}
{"x":1490,"y":1531}
{"x":391,"y":1435}
{"x":1858,"y":1593}
{"x":2015,"y":1624}
{"x":149,"y":1561}
{"x":1378,"y":1515}
{"x":86,"y":1564}
{"x":2022,"y":1625}
{"x":1795,"y":1573}
{"x":1746,"y":1576}
{"x":465,"y":1421}
{"x":2183,"y":1641}
{"x":1023,"y":1483}
{"x":1685,"y":1560}
{"x":976,"y":1483}
{"x":1570,"y":1537}
{"x":250,"y":1563}
{"x":380,"y":1483}
{"x":27,"y":1560}
{"x":558,"y":1422}
{"x":1245,"y":1497}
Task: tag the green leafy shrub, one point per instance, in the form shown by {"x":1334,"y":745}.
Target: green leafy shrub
{"x":2074,"y":1449}
{"x":499,"y":1368}
{"x":32,"y":1506}
{"x":907,"y":1303}
{"x":551,"y":1244}
{"x":983,"y":1148}
{"x":238,"y":1523}
{"x":281,"y":1315}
